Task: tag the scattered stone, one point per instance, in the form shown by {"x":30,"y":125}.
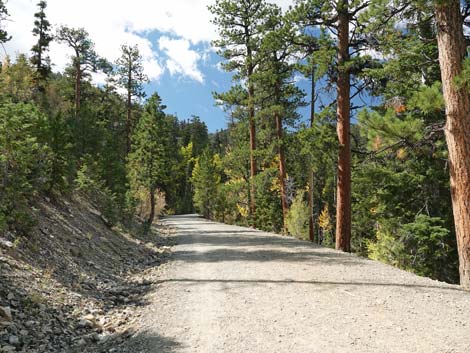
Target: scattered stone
{"x":67,"y":290}
{"x":83,"y":323}
{"x":75,"y":252}
{"x":30,"y":323}
{"x":6,"y":243}
{"x":14,"y":340}
{"x":81,"y":342}
{"x":5,"y":312}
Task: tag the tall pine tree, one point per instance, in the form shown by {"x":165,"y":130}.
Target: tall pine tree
{"x":4,"y":37}
{"x":85,"y":59}
{"x":240,"y":24}
{"x":452,"y":50}
{"x":40,"y":59}
{"x":149,"y":160}
{"x":131,"y":77}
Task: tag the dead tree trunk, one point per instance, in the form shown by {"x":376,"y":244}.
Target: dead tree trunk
{"x":343,"y":204}
{"x":451,"y":45}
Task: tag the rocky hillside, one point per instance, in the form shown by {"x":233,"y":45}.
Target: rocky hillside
{"x":74,"y":284}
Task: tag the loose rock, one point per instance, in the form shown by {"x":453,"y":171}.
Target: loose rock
{"x":5,"y":312}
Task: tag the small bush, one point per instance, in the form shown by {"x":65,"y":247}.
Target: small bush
{"x":89,"y":183}
{"x":297,"y":218}
{"x":423,"y":246}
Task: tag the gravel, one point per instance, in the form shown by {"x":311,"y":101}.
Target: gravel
{"x":233,"y":289}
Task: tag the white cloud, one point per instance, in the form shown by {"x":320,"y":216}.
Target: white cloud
{"x":181,"y":59}
{"x":114,"y":22}
{"x":298,"y":78}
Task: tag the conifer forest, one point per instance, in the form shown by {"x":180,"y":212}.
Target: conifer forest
{"x":372,"y":156}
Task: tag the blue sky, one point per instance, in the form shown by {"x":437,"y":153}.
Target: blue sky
{"x":173,"y":37}
{"x":185,"y":96}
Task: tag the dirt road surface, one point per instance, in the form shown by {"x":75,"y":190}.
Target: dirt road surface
{"x":232,"y":289}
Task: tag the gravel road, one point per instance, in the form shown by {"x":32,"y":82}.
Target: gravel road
{"x":233,"y":289}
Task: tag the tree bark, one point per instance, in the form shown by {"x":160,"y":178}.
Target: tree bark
{"x":78,"y":79}
{"x":251,"y":117}
{"x":152,"y":208}
{"x":451,"y":45}
{"x":129,"y":108}
{"x":311,"y":218}
{"x":343,"y":204}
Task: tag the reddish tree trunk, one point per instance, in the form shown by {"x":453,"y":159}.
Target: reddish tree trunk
{"x":343,"y":204}
{"x":451,"y":45}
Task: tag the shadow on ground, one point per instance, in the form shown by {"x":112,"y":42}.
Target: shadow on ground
{"x":315,"y":284}
{"x":240,"y":245}
{"x":143,"y":342}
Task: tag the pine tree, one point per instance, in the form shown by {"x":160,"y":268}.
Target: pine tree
{"x":403,"y":74}
{"x":278,"y":98}
{"x":85,"y":59}
{"x":4,"y":37}
{"x":149,"y":159}
{"x":452,"y":50}
{"x":17,"y":80}
{"x":131,"y":77}
{"x":40,"y":59}
{"x":337,"y":16}
{"x":24,"y":162}
{"x":240,"y":26}
{"x":205,"y":179}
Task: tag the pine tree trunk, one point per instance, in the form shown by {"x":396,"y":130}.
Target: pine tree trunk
{"x":451,"y":45}
{"x":129,"y":111}
{"x":251,"y":117}
{"x":152,"y":208}
{"x":78,"y":79}
{"x":282,"y":171}
{"x":311,"y":219}
{"x":343,"y":204}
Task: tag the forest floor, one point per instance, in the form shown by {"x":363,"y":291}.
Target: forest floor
{"x":233,"y":289}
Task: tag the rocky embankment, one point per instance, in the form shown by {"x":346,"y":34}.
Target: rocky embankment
{"x":74,"y":284}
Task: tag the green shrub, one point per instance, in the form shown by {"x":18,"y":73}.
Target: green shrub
{"x":297,"y":218}
{"x":423,"y":246}
{"x":25,"y":164}
{"x":89,"y":183}
{"x":387,"y":248}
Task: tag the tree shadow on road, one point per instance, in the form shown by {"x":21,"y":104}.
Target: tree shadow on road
{"x":242,"y":238}
{"x":142,"y":342}
{"x":317,"y":284}
{"x":275,"y":255}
